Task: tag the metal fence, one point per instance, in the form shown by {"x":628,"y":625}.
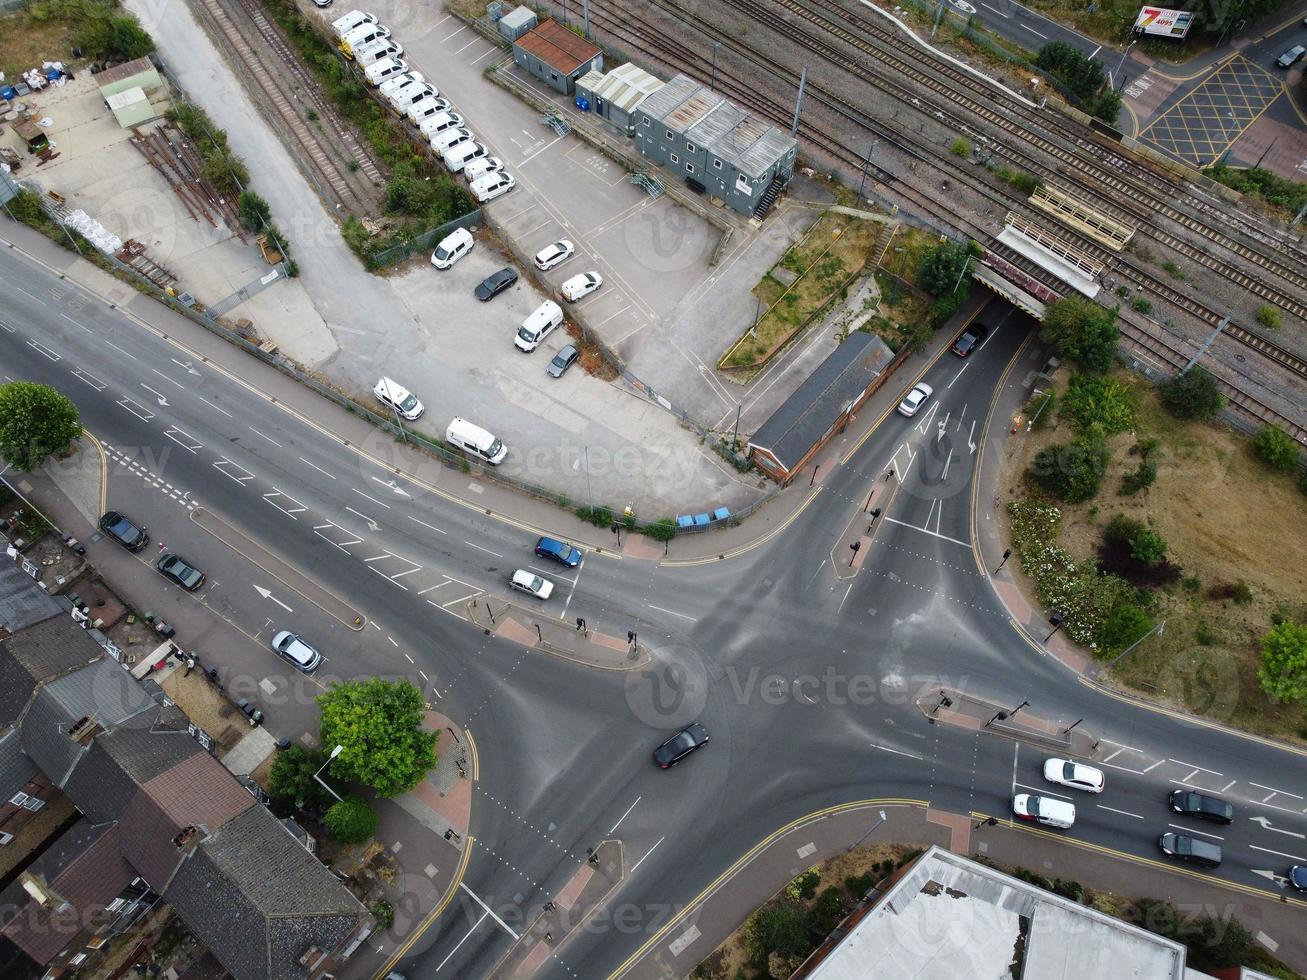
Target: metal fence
{"x":398,"y":253}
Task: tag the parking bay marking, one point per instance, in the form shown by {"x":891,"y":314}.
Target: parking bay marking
{"x":137,"y":409}
{"x":289,"y":511}
{"x":183,"y":438}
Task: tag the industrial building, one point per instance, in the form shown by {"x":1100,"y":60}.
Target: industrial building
{"x":556,"y":56}
{"x":715,"y":146}
{"x":614,"y":97}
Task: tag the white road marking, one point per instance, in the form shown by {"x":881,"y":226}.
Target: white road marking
{"x":373,"y":499}
{"x":487,"y":908}
{"x":646,"y":854}
{"x":933,"y":534}
{"x":475,"y":926}
{"x":988,"y":7}
{"x":119,"y":349}
{"x":75,"y":323}
{"x":1190,"y":765}
{"x":625,"y":815}
{"x":1267,"y":850}
{"x":1035,"y":32}
{"x":137,"y":409}
{"x":845,"y":599}
{"x":243,"y":479}
{"x":371,"y":523}
{"x":318,"y":468}
{"x":672,"y":613}
{"x":958,"y":375}
{"x":269,"y":438}
{"x":1042,"y":791}
{"x":289,"y":511}
{"x":1124,"y":813}
{"x":426,"y":525}
{"x":215,"y":407}
{"x":44,"y":351}
{"x":177,"y":435}
{"x":1274,"y":791}
{"x":90,"y":379}
{"x":1094,"y":52}
{"x":885,"y":748}
{"x":486,"y":550}
{"x":168,"y":379}
{"x":1190,"y":830}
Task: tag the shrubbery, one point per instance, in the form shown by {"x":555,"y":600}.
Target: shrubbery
{"x":1276,"y":448}
{"x":1070,"y":471}
{"x":107,"y":33}
{"x":1193,"y":395}
{"x":1082,"y":332}
{"x":1098,"y":405}
{"x":1291,"y":195}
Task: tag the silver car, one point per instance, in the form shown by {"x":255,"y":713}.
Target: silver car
{"x":294,"y":650}
{"x":915,"y":399}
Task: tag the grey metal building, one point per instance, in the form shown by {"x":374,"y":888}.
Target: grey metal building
{"x":516,"y":22}
{"x":615,"y":96}
{"x":556,"y":56}
{"x":715,"y":146}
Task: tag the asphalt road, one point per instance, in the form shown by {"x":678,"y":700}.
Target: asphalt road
{"x":805,"y":679}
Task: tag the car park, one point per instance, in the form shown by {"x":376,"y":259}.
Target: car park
{"x":532,"y":584}
{"x":489,"y":186}
{"x":1291,"y":57}
{"x":1044,"y":809}
{"x":355,"y":18}
{"x":559,"y":551}
{"x":579,"y":287}
{"x":479,"y":168}
{"x":475,"y":441}
{"x":452,"y":247}
{"x":563,"y":360}
{"x":915,"y":398}
{"x":398,"y":398}
{"x":494,"y":284}
{"x":295,"y":651}
{"x":554,"y":255}
{"x":1064,"y":772}
{"x":680,"y":745}
{"x":180,"y":571}
{"x":458,"y":157}
{"x":543,"y":321}
{"x":970,"y":339}
{"x":1191,"y":849}
{"x":1201,"y":806}
{"x":123,"y":531}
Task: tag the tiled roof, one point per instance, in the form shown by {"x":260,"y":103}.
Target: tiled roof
{"x":259,"y":900}
{"x":84,"y":872}
{"x":557,"y":47}
{"x":16,"y":767}
{"x":51,"y":648}
{"x":22,"y":602}
{"x":806,"y":415}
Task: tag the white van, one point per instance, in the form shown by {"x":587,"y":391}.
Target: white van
{"x":392,"y":85}
{"x":407,"y":93}
{"x":443,"y":141}
{"x":425,"y":108}
{"x":538,"y":326}
{"x":452,"y":248}
{"x":370,"y":54}
{"x":385,"y":68}
{"x":352,"y":20}
{"x":361,"y":35}
{"x":439,"y":122}
{"x":395,"y":396}
{"x":464,"y":153}
{"x":475,"y":441}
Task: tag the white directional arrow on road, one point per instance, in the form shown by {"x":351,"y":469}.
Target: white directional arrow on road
{"x":971,"y":446}
{"x":268,"y":595}
{"x":186,"y":365}
{"x":399,"y":491}
{"x":371,"y":523}
{"x":1266,"y":825}
{"x":1278,"y":879}
{"x":163,"y":402}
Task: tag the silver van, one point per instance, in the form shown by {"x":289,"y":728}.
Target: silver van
{"x":538,"y":326}
{"x":475,"y":441}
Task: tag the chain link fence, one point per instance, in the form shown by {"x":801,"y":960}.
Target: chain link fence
{"x":398,"y":253}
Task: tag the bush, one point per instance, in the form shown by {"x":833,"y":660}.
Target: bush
{"x":781,"y":928}
{"x":663,"y":530}
{"x":1193,"y":395}
{"x":1276,"y":448}
{"x":1095,"y":404}
{"x":960,"y":148}
{"x":1105,"y":106}
{"x":1081,"y":332}
{"x":1242,"y":594}
{"x":1083,"y":76}
{"x":1141,"y":305}
{"x":291,"y":783}
{"x":943,"y":308}
{"x":111,"y":36}
{"x":826,"y":913}
{"x":1069,"y":889}
{"x":1121,"y":531}
{"x":1283,"y":672}
{"x":254,"y":210}
{"x":805,"y":885}
{"x":1070,"y":471}
{"x":1143,"y":476}
{"x":1148,"y":546}
{"x":351,"y":820}
{"x":858,"y":885}
{"x":1125,"y":624}
{"x":941,"y":271}
{"x":1270,"y":317}
{"x":1026,"y":183}
{"x":598,"y":516}
{"x":1290,"y":195}
{"x":384,"y":913}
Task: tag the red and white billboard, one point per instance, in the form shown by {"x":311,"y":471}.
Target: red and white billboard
{"x":1160,"y":20}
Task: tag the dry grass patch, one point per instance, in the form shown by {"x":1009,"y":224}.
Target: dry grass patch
{"x":33,"y":36}
{"x":1227,"y":520}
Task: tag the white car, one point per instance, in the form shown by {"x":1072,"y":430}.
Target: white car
{"x":915,"y":399}
{"x":579,"y":287}
{"x":492,"y":185}
{"x":532,"y":584}
{"x":1064,"y":772}
{"x":1044,"y":809}
{"x":426,"y":107}
{"x":555,"y":254}
{"x":452,"y":247}
{"x":450,"y":138}
{"x":479,"y":168}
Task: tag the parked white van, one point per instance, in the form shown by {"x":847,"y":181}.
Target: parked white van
{"x":354,"y":19}
{"x":439,"y":122}
{"x":370,"y":54}
{"x":395,"y":396}
{"x":452,"y":247}
{"x":426,"y":107}
{"x":362,"y":35}
{"x":385,"y":68}
{"x":392,"y":85}
{"x":464,"y":153}
{"x":475,"y":441}
{"x":403,"y":90}
{"x":538,"y":326}
{"x":443,"y":141}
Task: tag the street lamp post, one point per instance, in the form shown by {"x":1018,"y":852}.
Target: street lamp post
{"x":318,"y":775}
{"x":1156,"y":629}
{"x":1007,"y":553}
{"x":1057,"y":619}
{"x":712,"y":84}
{"x":1121,"y":63}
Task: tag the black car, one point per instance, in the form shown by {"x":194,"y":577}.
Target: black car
{"x":492,"y":286}
{"x":1200,"y":852}
{"x":123,"y":531}
{"x":180,"y":571}
{"x":563,"y":360}
{"x":1203,"y":807}
{"x":970,"y":339}
{"x":680,"y":745}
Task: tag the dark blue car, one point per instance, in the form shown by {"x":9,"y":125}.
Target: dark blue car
{"x":559,"y":551}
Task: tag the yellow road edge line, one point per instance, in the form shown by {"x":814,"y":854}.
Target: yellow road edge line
{"x":448,"y":897}
{"x":104,"y":468}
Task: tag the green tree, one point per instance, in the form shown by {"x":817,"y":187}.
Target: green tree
{"x":291,"y":784}
{"x":1126,"y":623}
{"x":254,"y":210}
{"x":378,"y":724}
{"x":1276,"y":448}
{"x":1215,"y":943}
{"x":941,"y":269}
{"x":1083,"y":76}
{"x":116,"y":37}
{"x":351,"y":820}
{"x":1148,"y":546}
{"x":1070,"y":471}
{"x":1283,"y":672}
{"x":35,"y":421}
{"x":1082,"y":332}
{"x":1193,"y":395}
{"x":780,"y":928}
{"x":1105,"y":106}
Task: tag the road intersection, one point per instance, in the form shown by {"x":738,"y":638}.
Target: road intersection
{"x":808,"y":678}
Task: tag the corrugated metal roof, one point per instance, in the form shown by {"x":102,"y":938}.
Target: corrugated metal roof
{"x":126,"y":70}
{"x":627,"y":86}
{"x":516,"y":18}
{"x":692,"y":110}
{"x":557,"y":47}
{"x":671,"y":95}
{"x":723,"y":118}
